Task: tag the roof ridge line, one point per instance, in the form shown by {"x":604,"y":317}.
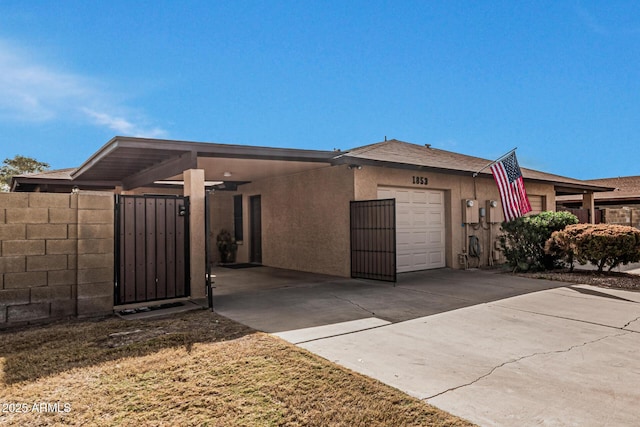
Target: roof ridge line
{"x":366,"y":148}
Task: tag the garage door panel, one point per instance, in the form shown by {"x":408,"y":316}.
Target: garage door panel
{"x":403,"y":238}
{"x":417,"y":261}
{"x":385,"y":194}
{"x":402,"y":196}
{"x":403,"y":219}
{"x":403,"y":261}
{"x":436,"y":238}
{"x":420,"y":260}
{"x":420,"y":228}
{"x":420,"y":219}
{"x":436,"y":259}
{"x":435,"y":219}
{"x":419,"y":198}
{"x":418,"y":238}
{"x":435,"y":198}
{"x":412,"y":262}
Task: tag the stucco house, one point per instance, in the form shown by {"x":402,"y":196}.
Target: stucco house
{"x":311,"y":210}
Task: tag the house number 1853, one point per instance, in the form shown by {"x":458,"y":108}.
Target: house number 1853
{"x":420,"y":180}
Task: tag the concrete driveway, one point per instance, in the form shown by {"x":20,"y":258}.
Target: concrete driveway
{"x":275,"y":300}
{"x":491,"y":348}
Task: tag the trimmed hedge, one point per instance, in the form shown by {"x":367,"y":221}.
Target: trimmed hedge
{"x":524,"y":239}
{"x":603,"y":245}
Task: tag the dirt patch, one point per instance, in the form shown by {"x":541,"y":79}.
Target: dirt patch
{"x":32,"y":352}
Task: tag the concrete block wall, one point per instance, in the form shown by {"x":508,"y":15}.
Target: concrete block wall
{"x":56,"y":256}
{"x":622,"y":216}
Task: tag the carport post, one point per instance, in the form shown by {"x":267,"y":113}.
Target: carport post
{"x":588,"y":202}
{"x":194,"y":188}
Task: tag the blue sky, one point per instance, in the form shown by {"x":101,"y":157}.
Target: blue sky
{"x":560,"y":80}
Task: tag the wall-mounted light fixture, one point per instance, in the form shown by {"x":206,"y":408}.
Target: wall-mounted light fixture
{"x":493,"y":204}
{"x":355,"y":167}
{"x":469,"y":203}
{"x":226,"y":174}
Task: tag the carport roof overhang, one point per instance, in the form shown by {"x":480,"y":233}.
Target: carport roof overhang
{"x":136,"y":162}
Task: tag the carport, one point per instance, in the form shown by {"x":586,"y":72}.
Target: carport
{"x":180,"y":174}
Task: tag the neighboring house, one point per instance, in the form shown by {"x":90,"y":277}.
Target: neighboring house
{"x":52,"y":181}
{"x":618,"y":206}
{"x":300,"y":209}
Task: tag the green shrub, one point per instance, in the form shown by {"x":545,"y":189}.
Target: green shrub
{"x":603,"y":245}
{"x":524,"y":238}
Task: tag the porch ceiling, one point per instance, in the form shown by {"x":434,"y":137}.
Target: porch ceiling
{"x":136,"y":162}
{"x":251,"y":169}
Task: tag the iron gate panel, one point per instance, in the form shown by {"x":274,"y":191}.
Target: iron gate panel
{"x":152,"y":248}
{"x":373,"y":239}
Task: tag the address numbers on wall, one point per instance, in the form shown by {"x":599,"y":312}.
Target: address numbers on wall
{"x":420,"y":180}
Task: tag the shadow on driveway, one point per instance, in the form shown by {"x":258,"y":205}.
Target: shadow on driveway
{"x":276,"y":300}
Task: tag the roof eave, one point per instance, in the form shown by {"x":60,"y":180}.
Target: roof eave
{"x":204,"y":149}
{"x":349,"y":160}
{"x":16,"y":182}
{"x":560,"y":186}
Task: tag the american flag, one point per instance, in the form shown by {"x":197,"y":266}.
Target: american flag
{"x":508,"y":176}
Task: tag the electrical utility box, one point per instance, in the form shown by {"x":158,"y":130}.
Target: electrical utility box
{"x":494,"y":212}
{"x":470,"y":211}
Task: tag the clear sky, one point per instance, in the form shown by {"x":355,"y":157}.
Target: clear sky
{"x":560,"y":80}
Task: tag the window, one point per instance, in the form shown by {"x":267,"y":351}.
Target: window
{"x":237,"y":218}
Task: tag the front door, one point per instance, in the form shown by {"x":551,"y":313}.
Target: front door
{"x":255,"y":226}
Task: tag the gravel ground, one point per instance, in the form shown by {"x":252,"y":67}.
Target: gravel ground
{"x":613,"y":279}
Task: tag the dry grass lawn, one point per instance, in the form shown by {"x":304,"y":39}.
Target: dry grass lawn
{"x":194,"y":369}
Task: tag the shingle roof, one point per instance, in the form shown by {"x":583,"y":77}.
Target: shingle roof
{"x":626,"y":187}
{"x":404,"y":153}
{"x":50,"y":174}
{"x":391,"y":153}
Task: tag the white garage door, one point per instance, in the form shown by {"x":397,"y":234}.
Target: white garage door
{"x":420,"y":226}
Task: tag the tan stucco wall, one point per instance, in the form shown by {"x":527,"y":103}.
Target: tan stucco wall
{"x":305,"y":220}
{"x":456,"y":188}
{"x":305,"y":217}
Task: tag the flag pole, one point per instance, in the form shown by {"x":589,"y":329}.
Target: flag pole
{"x":494,"y":162}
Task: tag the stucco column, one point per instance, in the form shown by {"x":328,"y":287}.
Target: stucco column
{"x":588,"y":202}
{"x":194,"y":188}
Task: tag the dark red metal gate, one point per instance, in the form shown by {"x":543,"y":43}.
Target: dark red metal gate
{"x":152,"y":248}
{"x":373,"y":239}
{"x":583,"y":215}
